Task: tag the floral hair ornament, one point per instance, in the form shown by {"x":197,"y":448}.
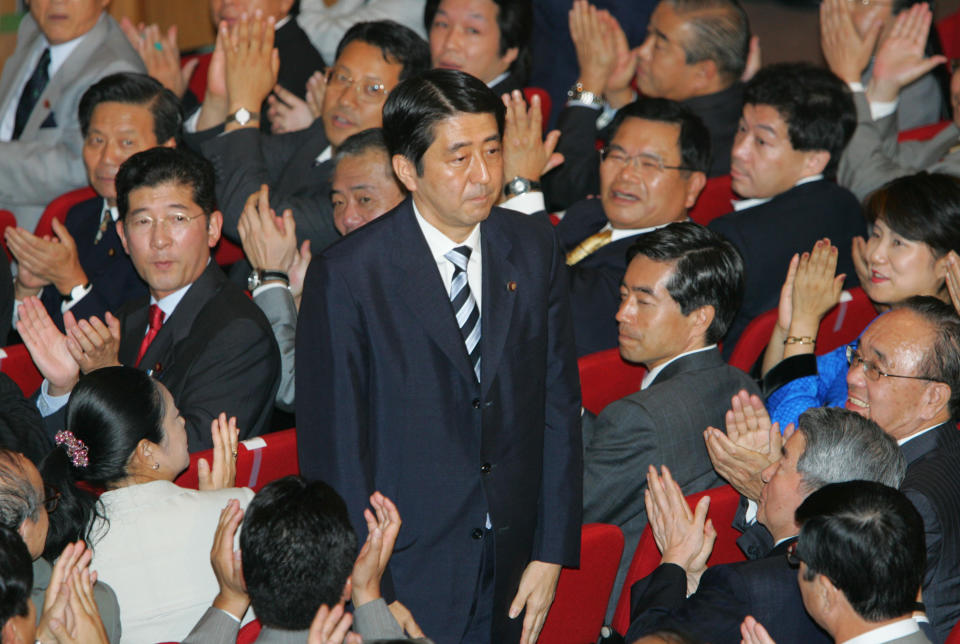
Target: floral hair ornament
{"x":75,"y":447}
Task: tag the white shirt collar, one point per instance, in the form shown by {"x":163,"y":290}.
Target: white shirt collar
{"x":282,"y":22}
{"x":743,"y":204}
{"x":896,"y":630}
{"x":324,"y":156}
{"x":114,"y":213}
{"x":653,"y":373}
{"x":60,"y":53}
{"x":909,"y":438}
{"x":498,"y":78}
{"x":440,"y":244}
{"x":169,"y":303}
{"x":623,"y":233}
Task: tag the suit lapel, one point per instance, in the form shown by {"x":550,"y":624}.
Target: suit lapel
{"x":693,"y":362}
{"x":16,"y":70}
{"x":421,"y":287}
{"x":500,"y":284}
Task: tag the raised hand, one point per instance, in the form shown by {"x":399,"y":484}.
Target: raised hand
{"x":80,"y":622}
{"x":858,"y":253}
{"x":525,"y":152}
{"x":332,"y":626}
{"x":252,"y":64}
{"x":288,"y":112}
{"x":269,"y":242}
{"x":47,"y":347}
{"x":316,"y":90}
{"x":901,"y":59}
{"x":774,"y":351}
{"x":617,"y":90}
{"x":160,"y":55}
{"x":93,"y":344}
{"x":754,"y":60}
{"x":223,"y":474}
{"x":596,"y":53}
{"x":846,"y":51}
{"x":226,"y":563}
{"x":298,"y":271}
{"x":214,"y":109}
{"x":52,"y":261}
{"x":685,"y":537}
{"x":816,"y":290}
{"x":383,"y":526}
{"x":953,"y":279}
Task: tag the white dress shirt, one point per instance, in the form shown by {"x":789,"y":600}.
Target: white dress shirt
{"x":440,"y":245}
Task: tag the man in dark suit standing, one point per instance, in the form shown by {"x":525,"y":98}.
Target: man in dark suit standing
{"x":680,"y":291}
{"x":651,"y":172}
{"x":197,"y":333}
{"x":87,"y":271}
{"x":830,"y":446}
{"x":796,"y":120}
{"x":436,"y":364}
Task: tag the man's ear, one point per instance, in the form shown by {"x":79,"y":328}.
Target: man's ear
{"x":214,"y":226}
{"x":347,"y":590}
{"x":406,"y":171}
{"x":702,"y":318}
{"x":169,"y":143}
{"x":695,"y":185}
{"x":815,"y":162}
{"x":509,"y":56}
{"x":935,"y":400}
{"x":704,"y":76}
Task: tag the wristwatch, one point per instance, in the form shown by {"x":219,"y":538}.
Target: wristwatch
{"x":520,"y":186}
{"x":76,"y":292}
{"x":258,"y":277}
{"x":242,"y":116}
{"x":577,"y":93}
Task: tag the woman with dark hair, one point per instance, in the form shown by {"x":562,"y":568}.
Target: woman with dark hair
{"x":150,"y":537}
{"x":914,"y":224}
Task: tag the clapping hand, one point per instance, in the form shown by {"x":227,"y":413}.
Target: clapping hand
{"x":332,"y":626}
{"x":227,"y":565}
{"x":901,"y":58}
{"x":252,"y":64}
{"x":288,"y":112}
{"x":93,"y":344}
{"x":160,"y":55}
{"x":47,"y":347}
{"x":223,"y":474}
{"x":525,"y":152}
{"x":269,"y":242}
{"x":846,"y":51}
{"x":685,"y":537}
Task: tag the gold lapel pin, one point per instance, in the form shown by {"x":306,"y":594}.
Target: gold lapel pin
{"x":511,"y":286}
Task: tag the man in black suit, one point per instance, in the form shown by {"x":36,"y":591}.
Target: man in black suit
{"x":829,"y":446}
{"x":197,"y":334}
{"x":372,"y":58}
{"x":651,"y":172}
{"x":694,"y":53}
{"x":797,"y":118}
{"x":436,"y":364}
{"x":681,"y":290}
{"x":486,"y":38}
{"x":86,"y":271}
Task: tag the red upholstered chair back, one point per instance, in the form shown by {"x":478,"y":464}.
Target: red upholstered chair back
{"x":949,"y":31}
{"x":6,"y":219}
{"x":582,"y":593}
{"x":545,"y":102}
{"x":227,"y":253}
{"x":19,"y":366}
{"x":605,"y":377}
{"x":259,"y":460}
{"x":724,"y":501}
{"x":954,"y":636}
{"x":57,"y":209}
{"x":714,"y":201}
{"x":923,"y":132}
{"x":198,"y":82}
{"x":842,"y":325}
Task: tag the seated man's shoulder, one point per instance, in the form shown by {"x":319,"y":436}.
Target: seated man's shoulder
{"x":84,"y":212}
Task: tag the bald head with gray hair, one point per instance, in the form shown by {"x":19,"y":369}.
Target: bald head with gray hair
{"x":842,"y":445}
{"x":719,"y":31}
{"x":19,"y":500}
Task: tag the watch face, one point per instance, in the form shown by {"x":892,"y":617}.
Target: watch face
{"x":243,"y":115}
{"x":253,"y":281}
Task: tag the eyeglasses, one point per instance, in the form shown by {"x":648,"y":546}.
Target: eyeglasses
{"x":792,"y":557}
{"x":368,"y":92}
{"x":876,"y":3}
{"x":174,"y":224}
{"x":51,"y":498}
{"x":870,"y":369}
{"x":646,"y":163}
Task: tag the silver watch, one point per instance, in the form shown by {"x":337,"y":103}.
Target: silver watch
{"x":577,"y":93}
{"x":520,"y":186}
{"x":242,"y":116}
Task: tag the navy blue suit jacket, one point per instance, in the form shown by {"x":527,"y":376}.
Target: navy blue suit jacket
{"x":108,"y":267}
{"x":765,"y":588}
{"x":387,"y":400}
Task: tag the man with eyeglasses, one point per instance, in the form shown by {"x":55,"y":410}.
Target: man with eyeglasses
{"x":371,"y":59}
{"x":197,"y":333}
{"x":651,"y":172}
{"x":25,"y":505}
{"x":829,"y":446}
{"x":905,"y":376}
{"x":796,"y":120}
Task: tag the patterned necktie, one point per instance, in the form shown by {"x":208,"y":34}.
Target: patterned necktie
{"x":156,"y":321}
{"x":464,"y":306}
{"x":31,"y":93}
{"x":589,"y":245}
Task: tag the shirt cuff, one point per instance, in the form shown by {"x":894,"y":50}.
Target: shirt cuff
{"x":527,"y":203}
{"x":751,"y":514}
{"x":190,"y":125}
{"x":267,"y":287}
{"x":47,"y":404}
{"x":66,"y":305}
{"x":227,"y":613}
{"x":881,"y":110}
{"x":592,"y":106}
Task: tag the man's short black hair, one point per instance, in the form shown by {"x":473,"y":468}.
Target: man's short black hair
{"x":416,"y":105}
{"x":719,"y":30}
{"x":135,"y":89}
{"x":399,"y":44}
{"x":515,"y":22}
{"x":868,"y":540}
{"x":159,"y":166}
{"x":298,"y":549}
{"x":708,"y":270}
{"x":694,"y":138}
{"x":816,"y":106}
{"x":16,"y":575}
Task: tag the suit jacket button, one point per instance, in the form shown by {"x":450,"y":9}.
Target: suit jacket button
{"x":477,"y":533}
{"x":476,"y":403}
{"x":485,"y":468}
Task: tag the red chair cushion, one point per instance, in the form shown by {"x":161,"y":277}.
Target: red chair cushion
{"x":545,"y":102}
{"x":605,"y":377}
{"x":724,"y":501}
{"x":198,"y":82}
{"x":714,"y":201}
{"x":582,"y":593}
{"x":259,"y":460}
{"x":19,"y":366}
{"x":7,"y":219}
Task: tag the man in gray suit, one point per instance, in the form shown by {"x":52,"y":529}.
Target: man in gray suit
{"x":681,"y":290}
{"x":861,"y":556}
{"x":62,"y":49}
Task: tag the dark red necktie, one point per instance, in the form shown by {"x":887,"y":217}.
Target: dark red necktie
{"x":156,"y":321}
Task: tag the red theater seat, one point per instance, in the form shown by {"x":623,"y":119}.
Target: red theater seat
{"x":259,"y":460}
{"x":605,"y":377}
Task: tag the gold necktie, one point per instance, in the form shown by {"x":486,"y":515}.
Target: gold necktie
{"x":589,"y":245}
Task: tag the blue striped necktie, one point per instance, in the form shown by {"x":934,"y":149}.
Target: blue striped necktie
{"x":464,"y":306}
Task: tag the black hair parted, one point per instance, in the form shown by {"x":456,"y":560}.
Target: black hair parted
{"x":159,"y":166}
{"x":694,"y":140}
{"x":135,"y":89}
{"x":399,"y":44}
